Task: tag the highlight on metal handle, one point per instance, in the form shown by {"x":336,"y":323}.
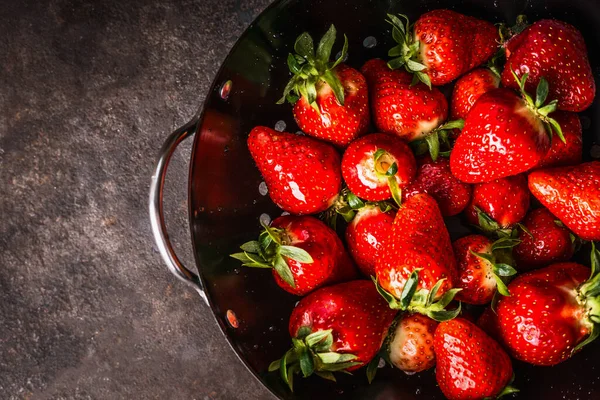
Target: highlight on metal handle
{"x":157,"y":218}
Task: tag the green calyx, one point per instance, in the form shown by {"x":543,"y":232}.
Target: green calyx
{"x":386,"y":168}
{"x":589,"y":297}
{"x":270,"y":251}
{"x":310,"y":68}
{"x":348,"y":204}
{"x":500,"y":258}
{"x":506,"y":32}
{"x":489,"y":227}
{"x":407,"y":53}
{"x":437,"y":140}
{"x":506,"y":390}
{"x":311,"y":353}
{"x":539,"y":106}
{"x":422,"y":301}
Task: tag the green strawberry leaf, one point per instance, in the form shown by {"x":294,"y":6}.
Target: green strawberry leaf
{"x":296,"y":253}
{"x":334,"y":82}
{"x":304,"y":46}
{"x":307,"y":365}
{"x":354,"y":201}
{"x":395,"y":189}
{"x":325,"y":45}
{"x":433,"y":142}
{"x":505,"y":243}
{"x":342,"y":56}
{"x":433,"y":292}
{"x":372,"y":368}
{"x":251,"y":247}
{"x":445,"y":315}
{"x":455,"y":124}
{"x":326,"y":375}
{"x":284,"y":271}
{"x":542,"y":92}
{"x":316,"y":337}
{"x":501,"y":286}
{"x":409,"y":289}
{"x":504,"y":270}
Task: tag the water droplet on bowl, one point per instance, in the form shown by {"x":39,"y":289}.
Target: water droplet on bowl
{"x":283,"y":214}
{"x":272,"y":328}
{"x":381,"y":363}
{"x":226,"y":89}
{"x":265,"y":219}
{"x":280,"y":126}
{"x":263,"y":189}
{"x":232,"y":319}
{"x":339,"y":54}
{"x":370,"y":42}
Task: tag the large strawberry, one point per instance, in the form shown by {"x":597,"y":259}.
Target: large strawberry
{"x":569,"y":152}
{"x":470,"y":364}
{"x":442,"y":45}
{"x":556,"y":51}
{"x":410,"y":343}
{"x":302,"y":174}
{"x":337,"y":328}
{"x":331,"y":99}
{"x":552,"y":312}
{"x":303,"y":252}
{"x":573,"y":195}
{"x":435,"y":179}
{"x":401,"y":108}
{"x":366,"y":235}
{"x":377,"y":166}
{"x":469,"y":88}
{"x":544,"y":241}
{"x":416,"y":266}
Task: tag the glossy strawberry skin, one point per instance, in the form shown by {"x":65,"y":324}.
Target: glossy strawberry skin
{"x":550,"y":243}
{"x":475,"y":274}
{"x":357,"y":314}
{"x":303,"y":175}
{"x":336,"y":123}
{"x":505,"y":200}
{"x":569,"y":152}
{"x":366,"y":235}
{"x":331,"y":263}
{"x":488,"y":322}
{"x":502,"y":137}
{"x":411,"y":346}
{"x":436,"y":179}
{"x":453,"y":43}
{"x":419,"y":239}
{"x":360,"y":171}
{"x":399,"y":108}
{"x":573,"y":195}
{"x":541,"y":322}
{"x":556,"y":51}
{"x":470,"y":364}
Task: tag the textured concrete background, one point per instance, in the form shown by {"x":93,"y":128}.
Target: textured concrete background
{"x":88,"y":92}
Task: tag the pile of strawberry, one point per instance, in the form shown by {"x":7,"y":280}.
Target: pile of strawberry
{"x":513,"y":133}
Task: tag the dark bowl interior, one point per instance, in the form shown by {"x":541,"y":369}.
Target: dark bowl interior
{"x":225,"y":201}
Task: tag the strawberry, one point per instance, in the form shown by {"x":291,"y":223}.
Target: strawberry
{"x":410,"y":344}
{"x":499,"y":204}
{"x":573,"y":195}
{"x":481,"y":266}
{"x":330,"y":99}
{"x":375,"y":167}
{"x":336,"y":328}
{"x":488,"y":322}
{"x":569,"y":152}
{"x":552,"y":312}
{"x":302,"y":174}
{"x":544,"y":241}
{"x":555,"y":51}
{"x":401,"y":108}
{"x":435,"y":178}
{"x":366,"y":235}
{"x":470,"y":364}
{"x":303,"y":252}
{"x":442,"y":46}
{"x":416,"y":265}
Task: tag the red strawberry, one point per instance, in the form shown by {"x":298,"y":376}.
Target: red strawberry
{"x":481,"y":265}
{"x":304,"y":253}
{"x":410,"y":345}
{"x":569,"y":152}
{"x":488,"y":322}
{"x":435,"y":179}
{"x":556,"y":51}
{"x":366,"y":235}
{"x":336,"y":328}
{"x":470,"y":364}
{"x":376,"y":166}
{"x":443,"y":46}
{"x":416,"y":265}
{"x":573,"y":195}
{"x":499,"y":204}
{"x":543,"y":242}
{"x":400,"y":108}
{"x":331,"y":99}
{"x":551,"y":312}
{"x":303,"y":175}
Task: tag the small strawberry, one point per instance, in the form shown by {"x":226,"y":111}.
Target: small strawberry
{"x":499,"y":204}
{"x":401,"y":108}
{"x":416,"y":265}
{"x":375,"y":167}
{"x":482,"y":265}
{"x":544,"y":241}
{"x":410,"y":344}
{"x":336,"y":328}
{"x":470,"y":364}
{"x":569,"y":152}
{"x":552,"y":312}
{"x":302,"y":174}
{"x":330,"y":99}
{"x":573,"y":195}
{"x":366,"y":235}
{"x":442,"y":46}
{"x":435,"y":179}
{"x":555,"y":51}
{"x":303,"y":252}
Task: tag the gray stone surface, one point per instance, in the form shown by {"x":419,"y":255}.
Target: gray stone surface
{"x":88,"y":92}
